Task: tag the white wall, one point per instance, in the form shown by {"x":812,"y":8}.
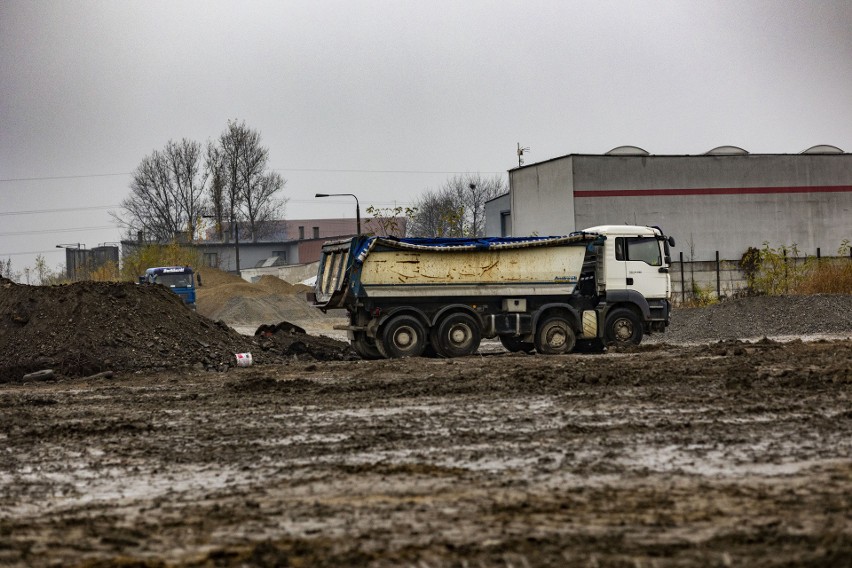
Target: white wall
{"x":542,"y":201}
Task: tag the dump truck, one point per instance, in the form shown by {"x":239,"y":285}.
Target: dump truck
{"x":178,"y":279}
{"x":408,"y":297}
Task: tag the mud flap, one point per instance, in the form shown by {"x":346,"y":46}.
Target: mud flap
{"x":590,"y":324}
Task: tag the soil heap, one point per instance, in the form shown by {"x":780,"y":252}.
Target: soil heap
{"x":228,"y":297}
{"x":760,"y":316}
{"x":86,"y":328}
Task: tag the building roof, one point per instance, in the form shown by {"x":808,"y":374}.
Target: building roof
{"x":719,"y":151}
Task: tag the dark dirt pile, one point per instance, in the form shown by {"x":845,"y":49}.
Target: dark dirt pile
{"x":760,"y":316}
{"x":292,"y":341}
{"x":86,"y":328}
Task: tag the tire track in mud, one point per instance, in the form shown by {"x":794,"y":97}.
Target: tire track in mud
{"x":729,"y":453}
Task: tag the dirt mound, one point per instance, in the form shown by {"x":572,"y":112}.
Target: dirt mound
{"x":215,"y":277}
{"x":89,"y":327}
{"x":241,"y":303}
{"x":275,"y":285}
{"x":762,"y":316}
{"x":291,"y":340}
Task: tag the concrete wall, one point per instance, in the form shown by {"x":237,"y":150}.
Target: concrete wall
{"x":701,"y":276}
{"x":708,"y":203}
{"x":543,"y":203}
{"x":294,"y":274}
{"x":494,"y":211}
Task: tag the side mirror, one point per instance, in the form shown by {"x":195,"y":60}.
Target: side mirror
{"x":671,"y":242}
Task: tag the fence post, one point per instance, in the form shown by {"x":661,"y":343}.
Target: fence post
{"x":718,"y":278}
{"x":818,"y":255}
{"x":682,"y":280}
{"x":786,"y":282}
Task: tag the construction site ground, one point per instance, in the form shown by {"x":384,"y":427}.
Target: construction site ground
{"x":725,"y":442}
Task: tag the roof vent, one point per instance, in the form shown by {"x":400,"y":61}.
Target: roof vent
{"x":823,"y":149}
{"x":627,"y":151}
{"x":727,"y":151}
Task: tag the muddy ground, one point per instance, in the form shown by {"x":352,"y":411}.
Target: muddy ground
{"x":727,"y":454}
{"x":148,"y":447}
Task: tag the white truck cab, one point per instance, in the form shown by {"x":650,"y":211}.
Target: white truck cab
{"x":636,"y":258}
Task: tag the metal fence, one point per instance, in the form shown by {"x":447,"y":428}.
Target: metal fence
{"x":716,"y":278}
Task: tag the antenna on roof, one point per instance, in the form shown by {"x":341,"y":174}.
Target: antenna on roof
{"x":521,"y":154}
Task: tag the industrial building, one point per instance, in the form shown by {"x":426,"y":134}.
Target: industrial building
{"x":724,"y":201}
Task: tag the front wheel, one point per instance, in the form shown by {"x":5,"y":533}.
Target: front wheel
{"x":555,"y":336}
{"x":623,"y":327}
{"x":457,"y":335}
{"x":403,"y":336}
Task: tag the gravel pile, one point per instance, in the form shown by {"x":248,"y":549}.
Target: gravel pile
{"x":761,"y":316}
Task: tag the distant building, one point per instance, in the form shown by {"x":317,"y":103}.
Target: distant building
{"x":291,"y":242}
{"x":725,"y":200}
{"x":81,"y":262}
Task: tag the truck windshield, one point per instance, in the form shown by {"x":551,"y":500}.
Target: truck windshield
{"x":175,"y":280}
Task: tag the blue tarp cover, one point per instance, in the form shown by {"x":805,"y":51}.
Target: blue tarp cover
{"x":445,"y":244}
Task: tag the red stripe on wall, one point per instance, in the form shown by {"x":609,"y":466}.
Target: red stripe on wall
{"x":712,"y":191}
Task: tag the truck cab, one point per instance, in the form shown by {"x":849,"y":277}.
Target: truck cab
{"x":178,"y":279}
{"x":633,"y":269}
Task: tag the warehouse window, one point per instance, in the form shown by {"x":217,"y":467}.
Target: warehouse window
{"x":211,"y":259}
{"x":505,"y":223}
{"x":316,"y":232}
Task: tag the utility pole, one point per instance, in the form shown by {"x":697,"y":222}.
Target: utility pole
{"x":475,"y":202}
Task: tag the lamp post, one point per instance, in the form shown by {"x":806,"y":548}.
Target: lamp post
{"x":357,"y":206}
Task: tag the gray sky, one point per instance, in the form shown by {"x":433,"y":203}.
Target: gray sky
{"x":387,"y":99}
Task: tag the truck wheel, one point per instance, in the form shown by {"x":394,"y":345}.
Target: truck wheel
{"x":514,"y":344}
{"x":457,"y":335}
{"x":365,"y":346}
{"x":623,"y":327}
{"x":555,"y":336}
{"x":403,"y":336}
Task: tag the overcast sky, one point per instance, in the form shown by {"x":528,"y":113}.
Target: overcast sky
{"x":387,"y":99}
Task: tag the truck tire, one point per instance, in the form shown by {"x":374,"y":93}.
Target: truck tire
{"x":623,"y":327}
{"x":457,"y":335}
{"x":403,"y":336}
{"x":514,"y":344}
{"x":365,"y":346}
{"x":554,"y":336}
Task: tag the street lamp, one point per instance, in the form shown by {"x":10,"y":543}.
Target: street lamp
{"x":357,"y":206}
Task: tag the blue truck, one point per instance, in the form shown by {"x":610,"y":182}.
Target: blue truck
{"x":178,"y":279}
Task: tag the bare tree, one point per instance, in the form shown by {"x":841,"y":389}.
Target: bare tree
{"x":436,"y":214}
{"x":249,"y":191}
{"x":6,"y":270}
{"x":215,"y":169}
{"x":166,"y":193}
{"x":263,"y":205}
{"x":457,"y":209}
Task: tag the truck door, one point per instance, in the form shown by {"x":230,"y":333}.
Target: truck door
{"x":645,"y":271}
